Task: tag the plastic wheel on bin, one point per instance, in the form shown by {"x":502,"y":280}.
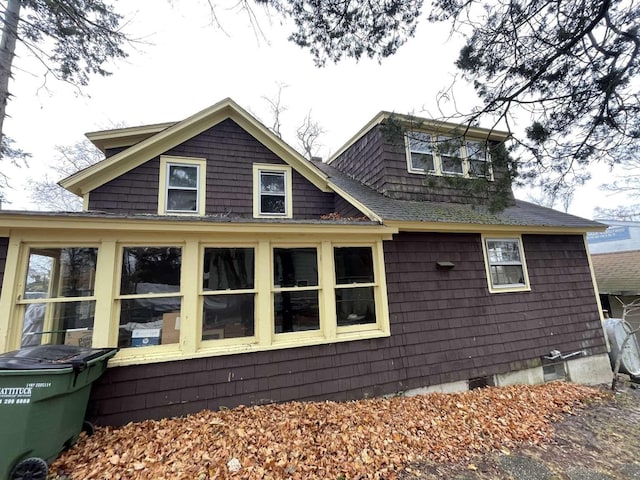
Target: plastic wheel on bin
{"x":32,"y":468}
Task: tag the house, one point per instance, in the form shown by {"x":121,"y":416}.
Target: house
{"x":615,"y":254}
{"x":230,"y":270}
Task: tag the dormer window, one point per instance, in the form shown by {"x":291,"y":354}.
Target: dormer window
{"x":444,"y":155}
{"x":182,"y":185}
{"x":272,"y":191}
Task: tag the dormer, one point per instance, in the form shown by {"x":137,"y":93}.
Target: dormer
{"x":409,"y":158}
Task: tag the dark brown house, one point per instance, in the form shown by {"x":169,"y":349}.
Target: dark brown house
{"x":230,"y":270}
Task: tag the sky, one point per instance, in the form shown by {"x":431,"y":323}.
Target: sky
{"x":182,"y":63}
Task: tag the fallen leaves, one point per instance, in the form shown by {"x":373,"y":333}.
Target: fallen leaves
{"x":374,"y":438}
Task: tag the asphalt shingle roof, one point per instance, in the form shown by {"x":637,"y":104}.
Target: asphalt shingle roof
{"x":617,"y":273}
{"x":521,"y":214}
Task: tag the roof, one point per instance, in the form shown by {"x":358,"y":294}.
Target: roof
{"x":522,"y":214}
{"x":617,"y":273}
{"x":424,"y":124}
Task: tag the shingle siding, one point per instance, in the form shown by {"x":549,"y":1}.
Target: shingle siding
{"x":4,"y":247}
{"x":445,"y":327}
{"x":230,"y":153}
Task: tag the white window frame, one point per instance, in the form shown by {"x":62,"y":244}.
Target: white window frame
{"x":512,"y":287}
{"x":285,"y":170}
{"x":438,"y":163}
{"x":166,"y":162}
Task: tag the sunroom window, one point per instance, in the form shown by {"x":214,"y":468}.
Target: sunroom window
{"x":150,"y":297}
{"x":228,"y":292}
{"x":58,"y":298}
{"x":295,"y":289}
{"x":355,"y":283}
{"x":505,"y":263}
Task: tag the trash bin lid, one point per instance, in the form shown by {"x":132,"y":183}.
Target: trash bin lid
{"x":49,"y":357}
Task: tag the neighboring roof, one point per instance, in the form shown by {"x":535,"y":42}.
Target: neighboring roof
{"x":617,"y":273}
{"x":469,"y":216}
{"x":424,"y":124}
{"x":162,"y":139}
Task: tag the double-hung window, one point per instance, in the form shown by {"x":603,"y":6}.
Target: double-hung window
{"x":59,"y":298}
{"x":478,"y":159}
{"x":228,"y":292}
{"x":272,"y":191}
{"x":150,"y":296}
{"x":446,"y":155}
{"x":182,"y":185}
{"x":505,"y":262}
{"x":355,"y":284}
{"x":296,"y":290}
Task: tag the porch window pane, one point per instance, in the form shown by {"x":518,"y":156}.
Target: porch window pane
{"x":148,"y":321}
{"x":296,"y":311}
{"x":150,"y":270}
{"x":355,"y":306}
{"x":295,"y":267}
{"x":61,"y":272}
{"x":69,"y":323}
{"x":228,"y":316}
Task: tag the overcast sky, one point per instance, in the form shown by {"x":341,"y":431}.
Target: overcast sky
{"x":184,"y":64}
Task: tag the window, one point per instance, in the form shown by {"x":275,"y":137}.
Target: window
{"x":272,"y":191}
{"x":478,"y":159}
{"x":450,"y":155}
{"x":445,"y":155}
{"x":421,"y":157}
{"x":228,"y":291}
{"x":182,"y":185}
{"x":355,"y":303}
{"x":505,"y":264}
{"x":58,"y":298}
{"x":195,"y":296}
{"x":295,"y":289}
{"x":150,"y":298}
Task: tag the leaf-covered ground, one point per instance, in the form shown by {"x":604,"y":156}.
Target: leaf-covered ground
{"x":373,"y":438}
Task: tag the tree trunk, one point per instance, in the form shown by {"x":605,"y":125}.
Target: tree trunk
{"x":7,"y":52}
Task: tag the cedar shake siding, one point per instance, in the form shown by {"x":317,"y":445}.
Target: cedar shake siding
{"x":364,"y":160}
{"x":4,"y":247}
{"x":445,"y":327}
{"x":230,"y":153}
{"x":380,"y":162}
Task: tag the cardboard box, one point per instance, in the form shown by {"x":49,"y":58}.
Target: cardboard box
{"x":143,"y":337}
{"x":171,"y":327}
{"x":212,"y":334}
{"x":78,"y":337}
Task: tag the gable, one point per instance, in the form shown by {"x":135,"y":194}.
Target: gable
{"x":96,"y":175}
{"x":230,"y":153}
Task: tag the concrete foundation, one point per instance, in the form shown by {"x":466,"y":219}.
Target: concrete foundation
{"x":592,"y":370}
{"x":452,"y":387}
{"x":530,"y":376}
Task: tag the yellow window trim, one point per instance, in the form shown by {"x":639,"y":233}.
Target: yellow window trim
{"x":108,"y":298}
{"x":201,"y":163}
{"x":265,"y":167}
{"x":508,"y":289}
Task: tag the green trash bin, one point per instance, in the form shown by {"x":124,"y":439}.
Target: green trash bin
{"x":44,"y":391}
